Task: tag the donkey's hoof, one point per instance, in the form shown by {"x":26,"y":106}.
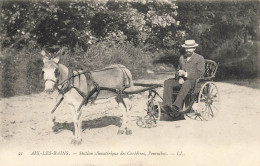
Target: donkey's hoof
{"x":55,"y":128}
{"x":120,"y":132}
{"x":76,"y":142}
{"x":128,"y":132}
{"x":72,"y":141}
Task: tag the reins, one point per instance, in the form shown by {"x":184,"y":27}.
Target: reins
{"x":95,"y":90}
{"x":55,"y":82}
{"x":68,"y":84}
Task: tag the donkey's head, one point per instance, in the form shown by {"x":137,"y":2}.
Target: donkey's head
{"x":50,"y":72}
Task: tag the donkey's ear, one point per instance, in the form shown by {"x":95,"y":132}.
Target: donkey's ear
{"x":57,"y":59}
{"x":43,"y":53}
{"x":45,"y":58}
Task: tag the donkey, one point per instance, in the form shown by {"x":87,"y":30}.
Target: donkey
{"x":75,"y":85}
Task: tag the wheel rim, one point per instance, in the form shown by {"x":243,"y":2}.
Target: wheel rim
{"x":153,"y":112}
{"x":152,"y":118}
{"x":208,"y":102}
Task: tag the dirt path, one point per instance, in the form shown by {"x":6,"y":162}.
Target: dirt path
{"x":231,"y":138}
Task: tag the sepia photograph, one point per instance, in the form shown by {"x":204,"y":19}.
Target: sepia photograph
{"x":130,"y":82}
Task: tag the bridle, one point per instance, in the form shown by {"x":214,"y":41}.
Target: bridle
{"x":65,"y":85}
{"x":68,"y":84}
{"x":55,"y":82}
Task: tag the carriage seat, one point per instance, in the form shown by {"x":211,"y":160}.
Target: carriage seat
{"x":210,"y":72}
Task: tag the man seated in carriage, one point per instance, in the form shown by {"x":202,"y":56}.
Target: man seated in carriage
{"x":191,"y":67}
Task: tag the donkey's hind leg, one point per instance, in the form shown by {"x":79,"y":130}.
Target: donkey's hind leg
{"x":124,"y":108}
{"x":128,"y":109}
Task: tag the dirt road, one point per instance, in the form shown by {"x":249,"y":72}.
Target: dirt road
{"x":231,"y":138}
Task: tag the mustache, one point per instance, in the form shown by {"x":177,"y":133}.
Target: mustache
{"x":188,"y":54}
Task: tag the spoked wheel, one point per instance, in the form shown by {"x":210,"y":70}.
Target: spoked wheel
{"x":208,"y":102}
{"x":153,"y":115}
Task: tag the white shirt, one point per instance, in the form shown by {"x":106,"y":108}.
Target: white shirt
{"x":188,"y":58}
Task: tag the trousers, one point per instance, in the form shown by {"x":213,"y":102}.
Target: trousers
{"x":169,"y":86}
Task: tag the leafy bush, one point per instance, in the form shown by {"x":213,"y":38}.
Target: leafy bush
{"x":240,"y":62}
{"x":140,"y":35}
{"x":8,"y":77}
{"x":21,"y":73}
{"x":103,"y":54}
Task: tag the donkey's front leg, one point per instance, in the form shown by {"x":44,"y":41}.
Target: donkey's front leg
{"x":56,"y":127}
{"x":73,"y":99}
{"x":77,"y":128}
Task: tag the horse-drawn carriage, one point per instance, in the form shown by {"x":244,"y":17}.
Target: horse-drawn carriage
{"x":201,"y":103}
{"x":81,"y":87}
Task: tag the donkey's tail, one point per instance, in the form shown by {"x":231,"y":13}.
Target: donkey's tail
{"x":128,"y":78}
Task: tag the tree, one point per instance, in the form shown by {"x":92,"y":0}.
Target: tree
{"x":54,"y":24}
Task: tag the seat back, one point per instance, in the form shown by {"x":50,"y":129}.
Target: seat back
{"x":210,"y":68}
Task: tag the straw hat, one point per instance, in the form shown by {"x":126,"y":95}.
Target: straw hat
{"x":190,"y":44}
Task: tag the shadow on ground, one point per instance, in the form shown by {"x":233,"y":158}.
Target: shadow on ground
{"x":104,"y":122}
{"x":90,"y":124}
{"x":165,"y":117}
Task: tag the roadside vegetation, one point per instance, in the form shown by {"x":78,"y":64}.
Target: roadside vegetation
{"x":142,"y":35}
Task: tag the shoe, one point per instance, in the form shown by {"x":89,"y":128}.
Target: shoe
{"x":176,"y":109}
{"x":168,"y":111}
{"x":166,"y":108}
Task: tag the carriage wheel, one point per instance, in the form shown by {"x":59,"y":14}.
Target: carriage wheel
{"x":153,"y":115}
{"x":208,"y":102}
{"x":153,"y":112}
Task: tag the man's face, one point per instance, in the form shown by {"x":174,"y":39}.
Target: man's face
{"x":189,"y":51}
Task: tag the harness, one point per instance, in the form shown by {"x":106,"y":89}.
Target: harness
{"x":93,"y":88}
{"x":68,"y":84}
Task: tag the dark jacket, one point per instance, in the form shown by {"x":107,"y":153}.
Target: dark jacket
{"x":195,"y":67}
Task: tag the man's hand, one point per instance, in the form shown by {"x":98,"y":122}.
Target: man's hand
{"x":182,"y":73}
{"x":181,"y":80}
